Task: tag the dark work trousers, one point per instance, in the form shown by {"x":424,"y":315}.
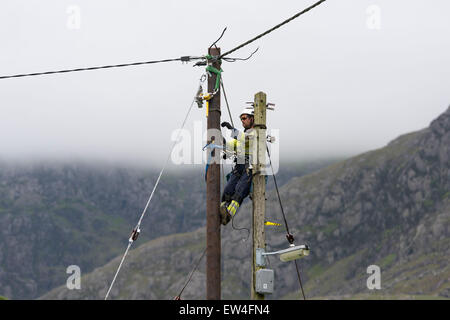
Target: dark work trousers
{"x":238,"y":186}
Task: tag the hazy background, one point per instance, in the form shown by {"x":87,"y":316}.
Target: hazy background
{"x":341,"y":84}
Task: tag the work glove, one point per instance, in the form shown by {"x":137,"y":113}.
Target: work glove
{"x":234,"y":132}
{"x":227,"y":124}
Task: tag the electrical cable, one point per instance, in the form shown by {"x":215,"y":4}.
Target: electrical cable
{"x":240,"y":59}
{"x":272,"y":29}
{"x":178,"y":297}
{"x":135,"y":232}
{"x":278,"y":193}
{"x":183,"y":59}
{"x":289,"y":236}
{"x":299,"y":279}
{"x":214,"y":43}
{"x":239,"y":229}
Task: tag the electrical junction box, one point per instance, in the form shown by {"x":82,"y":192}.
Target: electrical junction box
{"x":264,"y":281}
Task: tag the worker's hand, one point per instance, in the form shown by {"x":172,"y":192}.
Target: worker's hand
{"x":227,"y":124}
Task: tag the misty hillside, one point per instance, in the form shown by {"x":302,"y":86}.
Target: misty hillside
{"x":388,"y":207}
{"x":58,"y":214}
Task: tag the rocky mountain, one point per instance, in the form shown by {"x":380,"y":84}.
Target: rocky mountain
{"x":388,"y":207}
{"x":56,"y":214}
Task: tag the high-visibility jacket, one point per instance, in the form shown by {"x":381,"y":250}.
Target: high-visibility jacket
{"x":242,"y":145}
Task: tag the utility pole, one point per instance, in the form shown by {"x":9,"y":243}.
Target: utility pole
{"x":258,"y":146}
{"x":213,"y":245}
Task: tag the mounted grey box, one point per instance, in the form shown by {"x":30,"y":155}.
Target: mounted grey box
{"x":264,"y":281}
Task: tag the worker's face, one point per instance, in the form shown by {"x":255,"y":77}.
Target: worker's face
{"x":247,"y":121}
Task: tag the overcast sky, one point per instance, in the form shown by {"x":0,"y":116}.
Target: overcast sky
{"x":347,"y":77}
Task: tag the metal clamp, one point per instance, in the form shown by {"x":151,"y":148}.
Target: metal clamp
{"x":134,"y":234}
{"x":260,"y":257}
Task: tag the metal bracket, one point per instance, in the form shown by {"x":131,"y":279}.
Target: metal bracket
{"x":270,"y":106}
{"x":260,"y":258}
{"x":262,"y":126}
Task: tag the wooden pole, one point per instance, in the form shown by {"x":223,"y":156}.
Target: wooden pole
{"x":258,"y":147}
{"x":213,"y":245}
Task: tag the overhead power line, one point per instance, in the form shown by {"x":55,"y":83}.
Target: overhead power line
{"x":183,"y":59}
{"x":272,"y":29}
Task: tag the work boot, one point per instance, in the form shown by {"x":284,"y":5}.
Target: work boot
{"x":233,"y":208}
{"x":225,"y":216}
{"x":228,"y":210}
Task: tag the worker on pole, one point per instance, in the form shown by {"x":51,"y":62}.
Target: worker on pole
{"x":240,"y":180}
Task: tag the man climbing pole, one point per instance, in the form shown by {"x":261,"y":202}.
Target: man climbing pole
{"x":240,"y":180}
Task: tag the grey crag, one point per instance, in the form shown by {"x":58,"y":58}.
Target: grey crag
{"x":388,"y":207}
